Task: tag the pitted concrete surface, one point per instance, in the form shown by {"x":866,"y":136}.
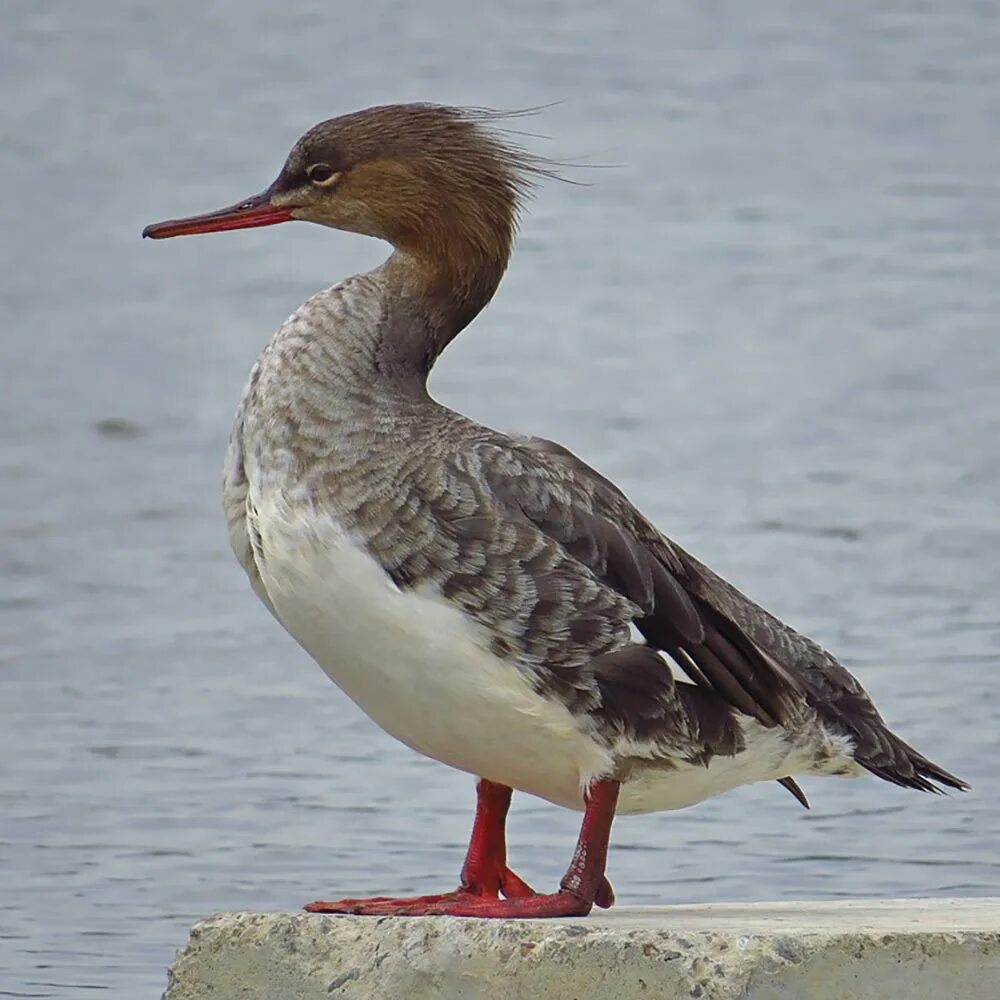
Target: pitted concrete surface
{"x":912,"y":949}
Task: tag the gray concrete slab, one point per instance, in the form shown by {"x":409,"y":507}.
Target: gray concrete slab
{"x":914,"y":949}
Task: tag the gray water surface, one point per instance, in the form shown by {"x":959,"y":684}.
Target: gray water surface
{"x":771,"y":317}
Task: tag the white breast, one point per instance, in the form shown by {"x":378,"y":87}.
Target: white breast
{"x":414,"y":663}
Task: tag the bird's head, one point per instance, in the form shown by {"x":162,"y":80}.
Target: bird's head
{"x":431,"y":180}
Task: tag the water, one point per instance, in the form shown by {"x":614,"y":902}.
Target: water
{"x":773,"y":321}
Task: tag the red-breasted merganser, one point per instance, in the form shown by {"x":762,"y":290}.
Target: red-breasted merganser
{"x":492,"y":601}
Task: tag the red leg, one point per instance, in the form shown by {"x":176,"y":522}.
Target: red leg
{"x":484,"y":875}
{"x":485,"y":871}
{"x":583,"y":885}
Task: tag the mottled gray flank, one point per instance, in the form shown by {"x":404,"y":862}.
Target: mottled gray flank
{"x":773,"y":322}
{"x":926,"y":949}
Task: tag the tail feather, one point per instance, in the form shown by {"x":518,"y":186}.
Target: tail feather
{"x":907,"y":767}
{"x":791,"y":666}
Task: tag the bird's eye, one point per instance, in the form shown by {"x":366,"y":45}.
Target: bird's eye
{"x":322,"y":174}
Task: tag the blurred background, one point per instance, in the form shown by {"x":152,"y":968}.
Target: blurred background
{"x":771,"y":316}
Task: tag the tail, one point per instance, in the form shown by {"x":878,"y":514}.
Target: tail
{"x":837,"y":697}
{"x":877,"y":748}
{"x":896,"y":761}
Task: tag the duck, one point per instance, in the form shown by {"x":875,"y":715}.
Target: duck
{"x":489,"y":599}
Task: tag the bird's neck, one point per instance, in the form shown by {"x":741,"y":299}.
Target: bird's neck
{"x":371,"y":341}
{"x":430,"y":299}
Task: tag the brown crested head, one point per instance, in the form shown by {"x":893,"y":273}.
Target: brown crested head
{"x":421,"y":176}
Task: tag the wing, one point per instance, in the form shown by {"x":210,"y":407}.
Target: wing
{"x":732,"y":648}
{"x":673,"y":609}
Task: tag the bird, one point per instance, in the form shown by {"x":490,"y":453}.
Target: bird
{"x":489,"y":599}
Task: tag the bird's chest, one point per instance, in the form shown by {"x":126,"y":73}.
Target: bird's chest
{"x":410,"y":659}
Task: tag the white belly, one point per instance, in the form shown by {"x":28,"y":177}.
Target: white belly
{"x":418,"y":666}
{"x":424,"y":672}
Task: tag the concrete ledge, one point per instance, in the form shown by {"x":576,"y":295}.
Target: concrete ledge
{"x":919,"y":949}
